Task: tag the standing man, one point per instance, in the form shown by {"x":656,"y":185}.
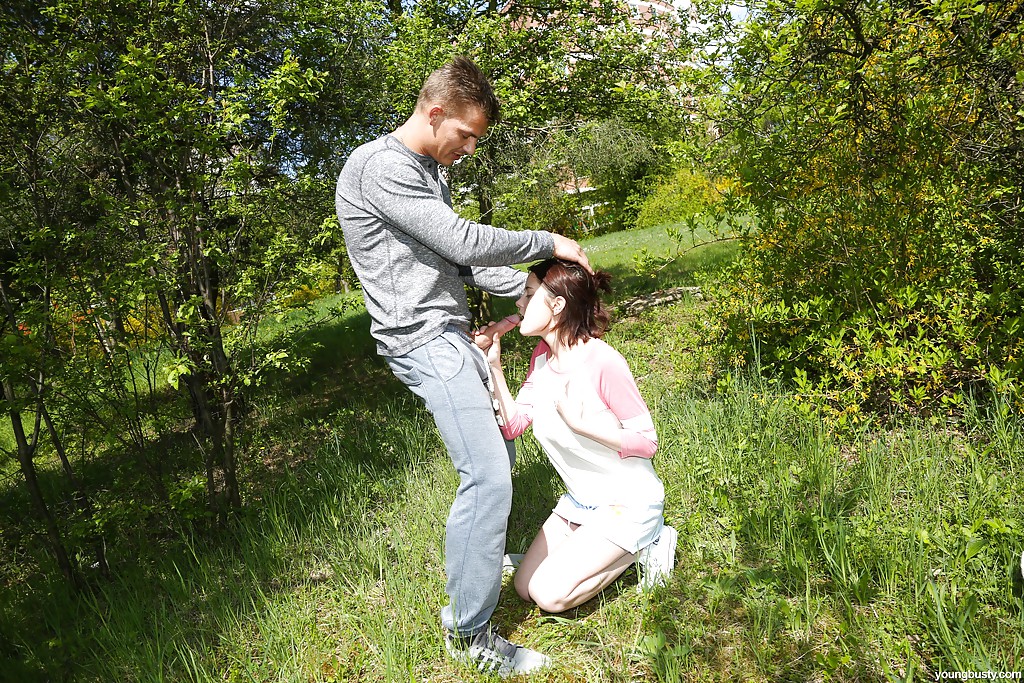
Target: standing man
{"x":414,"y":255}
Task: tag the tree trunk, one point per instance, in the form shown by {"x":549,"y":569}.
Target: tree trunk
{"x":230,"y":471}
{"x":481,"y":310}
{"x":484,"y":182}
{"x":82,"y":500}
{"x":341,"y":285}
{"x":483,"y":197}
{"x":206,"y":423}
{"x":26,"y":450}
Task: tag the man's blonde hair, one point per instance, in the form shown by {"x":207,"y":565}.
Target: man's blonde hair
{"x":457,"y":84}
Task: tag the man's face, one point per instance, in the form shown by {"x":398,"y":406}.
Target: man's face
{"x":456,"y":133}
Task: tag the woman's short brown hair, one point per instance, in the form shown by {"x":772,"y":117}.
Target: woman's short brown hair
{"x":457,"y":84}
{"x":584,"y":315}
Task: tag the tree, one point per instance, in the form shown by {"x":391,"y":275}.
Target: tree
{"x":587,"y":94}
{"x":41,"y":192}
{"x":154,"y":158}
{"x":570,"y":77}
{"x":879,"y":147}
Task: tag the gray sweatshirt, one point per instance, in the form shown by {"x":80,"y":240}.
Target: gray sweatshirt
{"x":413,"y":254}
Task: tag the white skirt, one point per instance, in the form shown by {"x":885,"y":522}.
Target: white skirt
{"x":631,"y":527}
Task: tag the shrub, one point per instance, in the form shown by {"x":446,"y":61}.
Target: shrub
{"x":879,"y":152}
{"x":675,"y":199}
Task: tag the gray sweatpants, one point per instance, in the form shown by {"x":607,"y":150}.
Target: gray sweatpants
{"x":450,"y":374}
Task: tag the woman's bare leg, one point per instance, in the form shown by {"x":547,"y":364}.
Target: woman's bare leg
{"x":566,"y":566}
{"x":554,"y":532}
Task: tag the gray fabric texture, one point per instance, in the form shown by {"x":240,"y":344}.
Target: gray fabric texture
{"x":413,"y":254}
{"x":449,"y":373}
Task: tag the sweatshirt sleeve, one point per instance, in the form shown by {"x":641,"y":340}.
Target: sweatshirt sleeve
{"x":524,"y":400}
{"x":617,"y":388}
{"x":398,"y":192}
{"x":503,"y":281}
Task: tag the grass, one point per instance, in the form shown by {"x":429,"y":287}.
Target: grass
{"x":641,"y":260}
{"x":804,"y":554}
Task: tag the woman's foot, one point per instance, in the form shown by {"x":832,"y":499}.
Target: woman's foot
{"x":658,"y":559}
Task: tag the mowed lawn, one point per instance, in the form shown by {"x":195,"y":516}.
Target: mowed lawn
{"x":805,"y":554}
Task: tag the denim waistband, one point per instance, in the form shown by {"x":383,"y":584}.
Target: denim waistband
{"x":578,"y":504}
{"x":461,"y":328}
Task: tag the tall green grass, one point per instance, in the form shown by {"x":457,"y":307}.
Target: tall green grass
{"x":804,"y":554}
{"x":807,"y":554}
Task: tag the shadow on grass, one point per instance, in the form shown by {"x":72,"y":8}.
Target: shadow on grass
{"x":169,"y":568}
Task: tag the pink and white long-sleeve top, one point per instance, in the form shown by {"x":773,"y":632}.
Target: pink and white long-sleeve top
{"x":602,"y":383}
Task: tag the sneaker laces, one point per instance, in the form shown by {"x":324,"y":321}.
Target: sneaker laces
{"x":489,"y":652}
{"x":490,"y":639}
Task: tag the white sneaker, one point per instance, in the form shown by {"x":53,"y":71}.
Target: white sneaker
{"x":511,"y":563}
{"x":490,"y":653}
{"x":658,"y":559}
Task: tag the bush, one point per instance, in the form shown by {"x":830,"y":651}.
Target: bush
{"x":675,"y":199}
{"x":879,"y":153}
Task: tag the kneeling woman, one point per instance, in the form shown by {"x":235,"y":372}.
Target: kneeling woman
{"x":595,"y":428}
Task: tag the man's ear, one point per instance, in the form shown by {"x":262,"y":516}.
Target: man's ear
{"x":436,"y":114}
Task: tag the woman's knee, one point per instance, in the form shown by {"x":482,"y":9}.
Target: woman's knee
{"x":532,"y":589}
{"x":550,"y":599}
{"x":522,"y":585}
{"x":550,"y":593}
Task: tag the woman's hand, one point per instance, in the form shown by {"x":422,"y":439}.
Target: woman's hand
{"x":570,"y":408}
{"x":604,"y":430}
{"x":494,"y":352}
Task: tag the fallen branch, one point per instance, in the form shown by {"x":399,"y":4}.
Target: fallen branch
{"x":662,"y":297}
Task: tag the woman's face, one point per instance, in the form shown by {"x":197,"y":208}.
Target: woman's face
{"x":538,"y":309}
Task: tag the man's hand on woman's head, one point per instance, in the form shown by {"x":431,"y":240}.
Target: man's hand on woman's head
{"x":570,"y":250}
